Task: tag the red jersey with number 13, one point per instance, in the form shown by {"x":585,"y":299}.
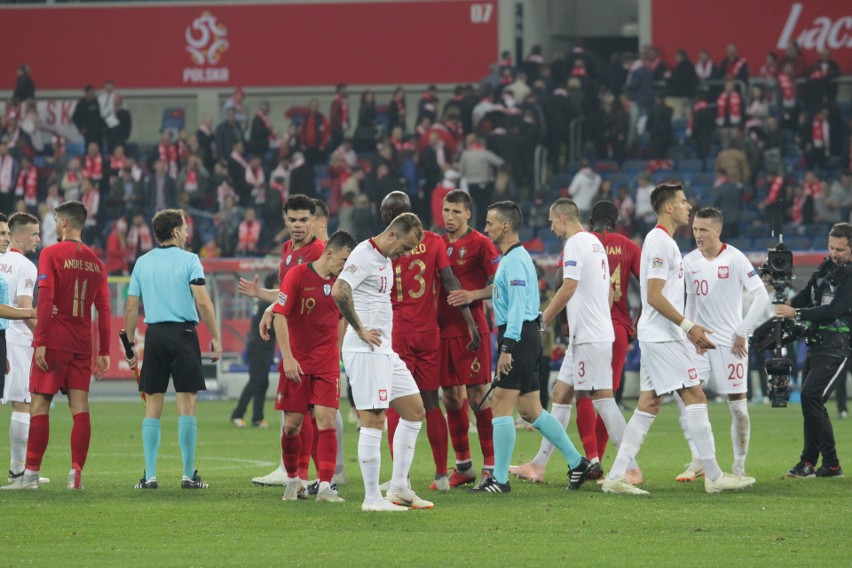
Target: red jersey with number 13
{"x":415,"y":281}
{"x":474,"y":259}
{"x":305,"y":254}
{"x":624,"y":259}
{"x":312,"y":316}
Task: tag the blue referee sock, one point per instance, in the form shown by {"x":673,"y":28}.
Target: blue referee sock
{"x":504,"y":443}
{"x":187,"y":431}
{"x":151,"y":445}
{"x":551,"y":429}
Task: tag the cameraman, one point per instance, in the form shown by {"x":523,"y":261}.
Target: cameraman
{"x":825,"y":302}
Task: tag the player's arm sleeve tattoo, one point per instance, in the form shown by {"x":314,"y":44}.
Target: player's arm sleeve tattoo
{"x":342,"y":293}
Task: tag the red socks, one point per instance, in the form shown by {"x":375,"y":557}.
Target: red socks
{"x":291,"y":449}
{"x":602,"y":436}
{"x":459,"y":423}
{"x":306,"y":435}
{"x":326,"y":453}
{"x":486,"y":435}
{"x":436,"y":430}
{"x":586,"y":426}
{"x":81,"y":435}
{"x":393,"y":421}
{"x":37,"y":443}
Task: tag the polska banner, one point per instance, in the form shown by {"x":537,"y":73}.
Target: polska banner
{"x":755,"y":28}
{"x":254,"y":45}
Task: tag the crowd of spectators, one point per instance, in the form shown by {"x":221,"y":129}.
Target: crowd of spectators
{"x":774,"y":142}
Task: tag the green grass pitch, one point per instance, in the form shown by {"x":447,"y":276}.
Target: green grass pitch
{"x":777,"y":522}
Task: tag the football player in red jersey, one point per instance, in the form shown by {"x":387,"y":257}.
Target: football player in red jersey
{"x":311,"y":373}
{"x":466,"y":373}
{"x":415,"y":332}
{"x":303,"y":247}
{"x":623,"y":255}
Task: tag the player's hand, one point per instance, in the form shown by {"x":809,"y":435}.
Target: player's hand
{"x":132,"y":362}
{"x":101,"y":366}
{"x":371,"y":337}
{"x":215,"y":349}
{"x":740,"y":348}
{"x":474,"y":338}
{"x":458,"y":298}
{"x":265,"y":325}
{"x":784,"y":311}
{"x":40,"y":360}
{"x":698,"y":336}
{"x":292,"y":369}
{"x":504,"y":364}
{"x":33,"y":313}
{"x":250,"y":288}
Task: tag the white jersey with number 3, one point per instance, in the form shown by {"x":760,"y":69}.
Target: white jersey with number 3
{"x":370,"y":274}
{"x":718,"y":286}
{"x":660,"y":260}
{"x":585,"y":260}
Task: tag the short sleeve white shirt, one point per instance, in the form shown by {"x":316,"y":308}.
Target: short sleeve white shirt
{"x":660,"y":260}
{"x":20,"y":274}
{"x":370,"y":274}
{"x":585,"y":260}
{"x":718,"y":286}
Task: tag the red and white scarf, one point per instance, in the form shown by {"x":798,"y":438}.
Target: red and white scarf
{"x":93,"y":167}
{"x":774,"y":191}
{"x":238,"y":158}
{"x":812,"y":188}
{"x":729,"y":106}
{"x":138,"y":241}
{"x":249,"y":235}
{"x":169,"y":157}
{"x":788,"y":90}
{"x":696,"y":108}
{"x":7,"y":164}
{"x":798,"y":208}
{"x":344,"y":111}
{"x":819,"y":133}
{"x":117,"y":164}
{"x":190,"y":181}
{"x":733,"y":70}
{"x":92,"y":200}
{"x":273,"y":135}
{"x":27,"y":186}
{"x":704,"y":70}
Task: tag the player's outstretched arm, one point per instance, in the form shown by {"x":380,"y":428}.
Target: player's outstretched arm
{"x":291,"y":367}
{"x":342,"y":294}
{"x":252,"y":289}
{"x":451,"y":283}
{"x":697,"y":334}
{"x":208,"y":316}
{"x":10,"y":313}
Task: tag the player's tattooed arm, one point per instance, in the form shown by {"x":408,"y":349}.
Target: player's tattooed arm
{"x":450,"y":282}
{"x":342,"y":294}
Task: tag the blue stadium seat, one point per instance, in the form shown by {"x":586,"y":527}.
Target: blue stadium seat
{"x":620,"y":179}
{"x":749,"y":215}
{"x":754,"y":231}
{"x":817,"y":230}
{"x":740,"y":243}
{"x":634,"y":166}
{"x":685,"y":245}
{"x":691,"y":165}
{"x":75,"y":149}
{"x":792,"y":229}
{"x":798,"y":243}
{"x":702,"y":178}
{"x":764,"y":243}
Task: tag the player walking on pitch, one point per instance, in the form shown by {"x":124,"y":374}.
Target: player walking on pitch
{"x":666,"y":360}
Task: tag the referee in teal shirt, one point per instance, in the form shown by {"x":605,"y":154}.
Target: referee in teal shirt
{"x":516,"y":311}
{"x":170,"y":282}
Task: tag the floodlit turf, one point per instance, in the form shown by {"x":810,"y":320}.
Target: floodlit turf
{"x":777,"y":522}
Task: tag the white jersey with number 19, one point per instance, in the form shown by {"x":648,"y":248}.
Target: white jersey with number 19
{"x":370,"y":274}
{"x":660,"y":260}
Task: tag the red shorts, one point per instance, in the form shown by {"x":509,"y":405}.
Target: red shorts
{"x":619,"y":353}
{"x":313,"y":390}
{"x":460,"y":366}
{"x":421,"y":353}
{"x":67,"y":371}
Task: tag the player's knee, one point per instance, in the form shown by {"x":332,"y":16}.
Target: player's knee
{"x":453,"y":398}
{"x":430,"y":400}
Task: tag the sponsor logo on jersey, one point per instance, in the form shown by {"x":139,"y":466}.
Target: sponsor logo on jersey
{"x":383,"y":395}
{"x":462,"y":252}
{"x":693,"y":375}
{"x":656,"y":263}
{"x":723,"y":272}
{"x":326,"y":289}
{"x":517,"y":283}
{"x":282,"y":298}
{"x":288,"y":259}
{"x":353,"y":268}
{"x":570,"y":263}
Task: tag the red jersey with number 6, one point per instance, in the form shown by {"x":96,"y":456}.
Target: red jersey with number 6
{"x":415,"y":281}
{"x":624,"y":259}
{"x":306,"y":253}
{"x":71,"y":278}
{"x":474,"y":259}
{"x":304,"y":298}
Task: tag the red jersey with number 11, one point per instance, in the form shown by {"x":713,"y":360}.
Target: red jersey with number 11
{"x":624,"y":259}
{"x":415,"y":281}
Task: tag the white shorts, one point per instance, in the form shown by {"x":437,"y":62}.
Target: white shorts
{"x":667,"y":367}
{"x":18,"y":378}
{"x":722,"y":370}
{"x":377,"y":379}
{"x":588,"y":366}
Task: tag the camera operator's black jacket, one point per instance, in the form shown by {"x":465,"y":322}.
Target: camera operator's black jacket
{"x":826,"y":300}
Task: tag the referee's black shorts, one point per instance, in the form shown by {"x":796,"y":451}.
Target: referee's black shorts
{"x":526,"y":357}
{"x":171,"y":350}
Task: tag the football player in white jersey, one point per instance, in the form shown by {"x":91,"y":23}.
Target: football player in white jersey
{"x":666,"y":364}
{"x":716,"y":275}
{"x":20,"y":274}
{"x":377,"y":375}
{"x":586,"y":291}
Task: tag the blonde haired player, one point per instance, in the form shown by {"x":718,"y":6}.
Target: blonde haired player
{"x":716,"y":274}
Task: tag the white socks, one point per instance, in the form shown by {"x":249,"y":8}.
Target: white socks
{"x":612,"y":418}
{"x":631,"y":442}
{"x":740,"y":433}
{"x":681,"y":407}
{"x":698,"y":423}
{"x":562,"y":413}
{"x":370,"y":459}
{"x":19,"y":433}
{"x":338,"y":424}
{"x":404,"y":442}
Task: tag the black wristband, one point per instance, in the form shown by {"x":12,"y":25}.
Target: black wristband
{"x":507,"y":345}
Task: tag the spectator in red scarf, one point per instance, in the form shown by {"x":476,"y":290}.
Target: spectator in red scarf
{"x":427,"y":106}
{"x":91,"y":198}
{"x":256,"y":181}
{"x":93,"y":165}
{"x":235,"y":103}
{"x":314,"y":134}
{"x":733,"y":66}
{"x":71,"y":181}
{"x":194,"y":182}
{"x":116,"y":249}
{"x":820,"y":87}
{"x":237,"y":165}
{"x":249,"y":234}
{"x":168,"y":154}
{"x":26,"y":187}
{"x":796,"y":59}
{"x":117,"y":162}
{"x":227,"y":134}
{"x":770,"y":68}
{"x":139,"y":240}
{"x":729,"y":111}
{"x":339,"y":115}
{"x":788,"y":92}
{"x":818,"y":147}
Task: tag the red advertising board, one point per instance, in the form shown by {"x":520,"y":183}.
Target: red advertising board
{"x":219,"y":45}
{"x":755,"y":27}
